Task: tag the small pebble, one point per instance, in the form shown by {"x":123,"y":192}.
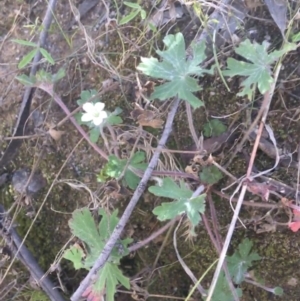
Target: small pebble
{"x":20,"y":179}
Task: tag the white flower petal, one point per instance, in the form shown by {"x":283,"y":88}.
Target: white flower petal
{"x":99,"y":106}
{"x":103,"y":115}
{"x":87,"y":117}
{"x":88,"y":107}
{"x":97,"y":120}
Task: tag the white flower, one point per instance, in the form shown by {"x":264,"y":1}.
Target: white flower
{"x":94,"y":112}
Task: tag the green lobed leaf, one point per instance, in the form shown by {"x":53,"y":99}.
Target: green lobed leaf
{"x":115,"y":166}
{"x":83,"y":226}
{"x":43,"y":76}
{"x":86,"y":95}
{"x":192,"y":207}
{"x":258,"y":71}
{"x":169,"y":189}
{"x":222,"y":291}
{"x":210,"y":175}
{"x":108,"y":278}
{"x":176,"y":70}
{"x":241,"y":261}
{"x":75,"y":255}
{"x":214,"y":128}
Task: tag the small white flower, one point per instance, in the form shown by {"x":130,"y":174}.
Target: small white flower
{"x":94,"y":112}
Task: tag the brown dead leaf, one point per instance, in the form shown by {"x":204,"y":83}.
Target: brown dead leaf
{"x":261,"y":189}
{"x":147,"y":119}
{"x":116,"y":191}
{"x":55,"y":135}
{"x":137,"y":111}
{"x":192,"y":169}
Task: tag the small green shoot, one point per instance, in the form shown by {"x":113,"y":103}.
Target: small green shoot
{"x":214,"y":128}
{"x":115,"y":169}
{"x":242,"y":259}
{"x":31,"y":54}
{"x":136,"y":9}
{"x":94,"y":237}
{"x":41,"y":76}
{"x":278,"y":291}
{"x":177,"y":70}
{"x":210,"y":175}
{"x":184,"y":203}
{"x":257,"y":70}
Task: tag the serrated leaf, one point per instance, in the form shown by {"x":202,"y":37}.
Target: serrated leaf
{"x":27,"y":58}
{"x":192,"y":207}
{"x":210,"y":175}
{"x":75,"y":255}
{"x":47,"y":56}
{"x":258,"y":71}
{"x":25,"y":43}
{"x":169,"y":189}
{"x":115,"y":166}
{"x":176,"y":69}
{"x":214,"y":128}
{"x":129,"y":17}
{"x":241,"y":261}
{"x":109,"y":277}
{"x":222,"y":291}
{"x":25,"y":80}
{"x":83,"y":226}
{"x":43,"y":76}
{"x":86,"y":95}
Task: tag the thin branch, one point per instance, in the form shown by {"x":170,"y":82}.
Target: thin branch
{"x":191,"y":124}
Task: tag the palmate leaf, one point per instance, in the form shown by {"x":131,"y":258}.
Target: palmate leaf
{"x":175,"y":69}
{"x":241,"y":261}
{"x":184,"y":203}
{"x":83,"y":226}
{"x":115,"y":167}
{"x":222,"y":291}
{"x":258,"y":69}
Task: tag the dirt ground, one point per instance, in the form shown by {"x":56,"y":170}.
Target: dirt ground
{"x":104,"y":57}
